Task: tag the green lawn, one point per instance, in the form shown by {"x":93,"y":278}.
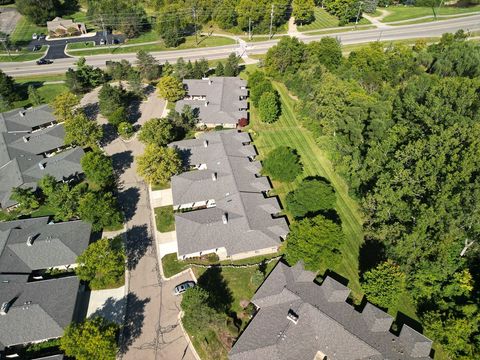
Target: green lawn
{"x":145,"y":37}
{"x":80,"y":45}
{"x":289,"y":131}
{"x":40,"y":78}
{"x":189,"y":43}
{"x":48,"y":92}
{"x":398,"y":13}
{"x":23,"y":55}
{"x":156,"y":187}
{"x":324,"y":20}
{"x":164,"y":218}
{"x":22,"y":35}
{"x":43,"y":210}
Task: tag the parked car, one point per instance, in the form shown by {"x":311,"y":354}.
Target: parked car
{"x":181,"y":288}
{"x":102,"y":42}
{"x":41,"y":36}
{"x":34,"y":36}
{"x":37,"y":47}
{"x":44,"y":62}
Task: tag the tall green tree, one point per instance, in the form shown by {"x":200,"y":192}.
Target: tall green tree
{"x":303,"y":11}
{"x":384,"y":285}
{"x":110,"y":98}
{"x":310,"y":197}
{"x":157,"y":132}
{"x":316,"y":241}
{"x":283,"y":164}
{"x":81,"y":131}
{"x":100,"y":209}
{"x":26,"y":198}
{"x":33,"y":96}
{"x":170,"y":88}
{"x":158,"y":164}
{"x":148,"y":66}
{"x":198,"y":315}
{"x":102,"y":263}
{"x":38,"y":11}
{"x":7,"y":90}
{"x":285,"y":57}
{"x":269,"y":107}
{"x":64,"y":105}
{"x":94,"y":338}
{"x":232,"y":65}
{"x":172,"y":24}
{"x":98,"y":168}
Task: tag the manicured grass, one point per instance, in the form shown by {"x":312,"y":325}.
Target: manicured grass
{"x":172,"y":266}
{"x":398,"y":13}
{"x":189,"y":43}
{"x":23,"y":55}
{"x":81,"y":45}
{"x":342,"y":30}
{"x":156,"y":187}
{"x":43,"y":210}
{"x":47,"y":92}
{"x":40,"y":78}
{"x":22,"y":35}
{"x":164,"y":218}
{"x":288,"y":131}
{"x":145,"y":37}
{"x":322,"y":20}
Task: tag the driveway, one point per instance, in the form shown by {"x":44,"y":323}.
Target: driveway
{"x":56,"y":48}
{"x":149,"y":333}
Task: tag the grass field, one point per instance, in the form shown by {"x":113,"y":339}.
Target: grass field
{"x":48,"y":92}
{"x":289,"y":131}
{"x":80,"y":45}
{"x":189,"y":43}
{"x":398,"y":13}
{"x":22,"y":35}
{"x":324,"y":20}
{"x":23,"y":55}
{"x":164,"y":218}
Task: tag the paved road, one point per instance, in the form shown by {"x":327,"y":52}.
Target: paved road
{"x":152,"y":327}
{"x":221,"y":52}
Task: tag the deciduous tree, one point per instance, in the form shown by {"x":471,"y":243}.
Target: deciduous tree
{"x":283,"y":164}
{"x":64,"y":105}
{"x":171,"y":88}
{"x":100,"y":209}
{"x":269,"y":107}
{"x":98,"y":168}
{"x":157,"y":132}
{"x":158,"y":164}
{"x":81,"y":131}
{"x":310,"y":197}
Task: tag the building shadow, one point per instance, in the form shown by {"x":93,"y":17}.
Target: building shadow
{"x":128,"y":198}
{"x":121,"y":161}
{"x":138,"y":240}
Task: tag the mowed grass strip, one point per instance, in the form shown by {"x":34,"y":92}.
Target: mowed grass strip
{"x":288,"y":131}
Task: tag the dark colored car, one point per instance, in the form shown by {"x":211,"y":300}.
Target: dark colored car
{"x":44,"y":62}
{"x":181,"y":288}
{"x":37,"y":47}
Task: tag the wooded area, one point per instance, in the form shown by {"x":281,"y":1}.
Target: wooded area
{"x":402,"y":126}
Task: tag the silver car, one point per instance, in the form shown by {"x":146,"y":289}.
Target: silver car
{"x":181,"y":288}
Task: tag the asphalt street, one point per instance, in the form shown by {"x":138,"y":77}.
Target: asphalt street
{"x":354,"y":37}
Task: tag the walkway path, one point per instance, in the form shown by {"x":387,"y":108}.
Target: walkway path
{"x":377,"y":20}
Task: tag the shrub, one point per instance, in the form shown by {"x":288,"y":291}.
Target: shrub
{"x":125,"y":130}
{"x":282,"y":164}
{"x":310,"y":197}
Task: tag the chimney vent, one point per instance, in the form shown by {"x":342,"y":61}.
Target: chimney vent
{"x":206,"y":103}
{"x":214,"y":176}
{"x":292,"y":316}
{"x":4,"y":308}
{"x":21,"y":113}
{"x":225,"y":218}
{"x":209,"y":82}
{"x":26,"y":138}
{"x":41,"y":165}
{"x":30,"y":240}
{"x":205,"y":143}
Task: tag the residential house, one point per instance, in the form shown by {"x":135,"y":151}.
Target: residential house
{"x":59,"y":27}
{"x":222,"y":204}
{"x":219,"y":101}
{"x":299,"y":319}
{"x":32,"y":146}
{"x":35,"y":307}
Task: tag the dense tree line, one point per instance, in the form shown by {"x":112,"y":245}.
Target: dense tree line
{"x":401,"y":124}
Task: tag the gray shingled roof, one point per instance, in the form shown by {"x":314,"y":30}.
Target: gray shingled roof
{"x":23,"y":150}
{"x":222,"y":99}
{"x":326,"y":324}
{"x":13,"y":121}
{"x":38,"y":310}
{"x":54,"y":244}
{"x":237,"y":190}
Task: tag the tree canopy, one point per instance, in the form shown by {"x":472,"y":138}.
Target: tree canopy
{"x":81,"y":131}
{"x":170,"y":88}
{"x":64,"y":104}
{"x":94,"y":338}
{"x":310,"y":197}
{"x":283,"y":164}
{"x":158,"y":164}
{"x":315,"y":241}
{"x":269,"y":107}
{"x":98,"y":168}
{"x":157,"y":132}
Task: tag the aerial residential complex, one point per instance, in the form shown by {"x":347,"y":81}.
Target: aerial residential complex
{"x":220,"y":101}
{"x":299,"y":319}
{"x":222,"y":203}
{"x":37,"y":306}
{"x":32,"y":146}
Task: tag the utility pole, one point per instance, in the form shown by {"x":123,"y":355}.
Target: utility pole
{"x":271,"y":20}
{"x":249,"y":28}
{"x":358,"y":13}
{"x":195,"y":24}
{"x":105,"y":33}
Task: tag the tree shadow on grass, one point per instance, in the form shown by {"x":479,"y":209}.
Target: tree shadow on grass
{"x":372,"y":253}
{"x":137,"y":243}
{"x":122,"y":161}
{"x":221,"y":297}
{"x":128,"y":198}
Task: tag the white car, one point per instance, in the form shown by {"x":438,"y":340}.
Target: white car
{"x":181,"y":288}
{"x":102,"y":42}
{"x":34,"y":36}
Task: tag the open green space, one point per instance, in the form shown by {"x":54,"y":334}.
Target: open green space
{"x":40,"y":78}
{"x":189,"y":43}
{"x":22,"y":35}
{"x":23,"y":55}
{"x":342,"y":30}
{"x":47,"y":91}
{"x":288,"y":131}
{"x":164,"y":218}
{"x":81,"y":45}
{"x":156,"y":187}
{"x":324,"y":20}
{"x":398,"y":13}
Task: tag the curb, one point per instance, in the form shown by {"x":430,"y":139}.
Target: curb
{"x":189,"y":341}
